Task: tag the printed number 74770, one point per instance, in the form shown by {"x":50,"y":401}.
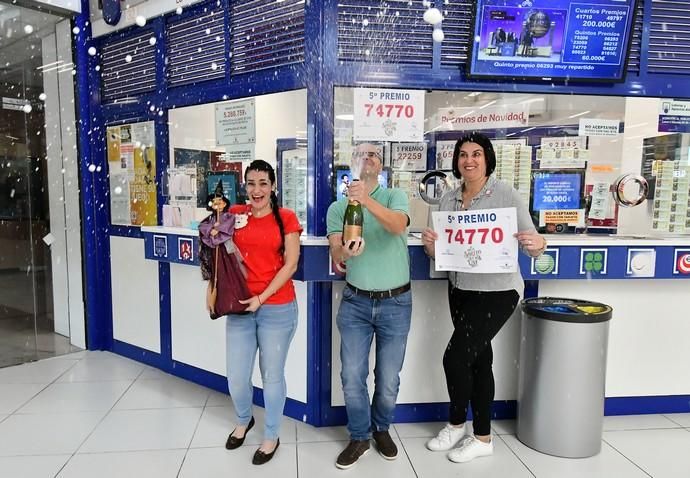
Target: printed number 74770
{"x":466,"y":236}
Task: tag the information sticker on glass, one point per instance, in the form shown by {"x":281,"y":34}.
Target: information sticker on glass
{"x":408,"y":156}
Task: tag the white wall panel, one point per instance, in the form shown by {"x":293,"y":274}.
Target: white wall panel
{"x":199,"y":341}
{"x":136,"y":317}
{"x":196,"y":339}
{"x":422,"y":379}
{"x":648,"y":352}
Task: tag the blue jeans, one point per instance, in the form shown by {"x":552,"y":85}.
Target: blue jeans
{"x":270,"y":329}
{"x":358,"y":319}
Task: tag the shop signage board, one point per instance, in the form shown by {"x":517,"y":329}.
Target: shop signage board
{"x":599,"y":127}
{"x":388,"y":115}
{"x":492,"y":117}
{"x":235,"y":122}
{"x":478,"y":241}
{"x":674,"y":116}
{"x":16,"y":104}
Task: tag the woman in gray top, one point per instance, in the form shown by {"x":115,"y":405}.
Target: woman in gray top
{"x":479,"y":303}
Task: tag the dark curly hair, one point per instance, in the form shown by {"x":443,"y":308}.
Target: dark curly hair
{"x":261,"y":165}
{"x":483,"y":141}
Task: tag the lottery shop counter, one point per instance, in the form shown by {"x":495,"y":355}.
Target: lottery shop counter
{"x":642,"y":278}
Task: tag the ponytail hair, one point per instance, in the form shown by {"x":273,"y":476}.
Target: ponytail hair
{"x":261,"y":165}
{"x":276,"y":213}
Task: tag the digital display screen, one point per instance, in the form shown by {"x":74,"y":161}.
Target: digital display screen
{"x":561,"y":190}
{"x":552,"y":39}
{"x":343,"y":178}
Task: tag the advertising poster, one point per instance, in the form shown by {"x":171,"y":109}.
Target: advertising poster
{"x":478,"y":241}
{"x":132,"y":172}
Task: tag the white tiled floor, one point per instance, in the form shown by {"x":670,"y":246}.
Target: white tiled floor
{"x":98,"y":414}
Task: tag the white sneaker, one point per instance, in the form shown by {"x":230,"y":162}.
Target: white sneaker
{"x":471,"y":448}
{"x":447,"y":438}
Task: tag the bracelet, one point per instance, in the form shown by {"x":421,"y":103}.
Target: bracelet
{"x":259,"y":298}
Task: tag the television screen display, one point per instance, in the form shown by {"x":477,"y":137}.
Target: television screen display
{"x":343,"y":178}
{"x":557,"y":190}
{"x":552,"y":39}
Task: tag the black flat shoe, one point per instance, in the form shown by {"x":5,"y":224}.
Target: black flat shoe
{"x":260,"y":457}
{"x":234,"y":442}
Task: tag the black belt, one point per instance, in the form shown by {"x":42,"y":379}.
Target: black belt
{"x":380,"y":294}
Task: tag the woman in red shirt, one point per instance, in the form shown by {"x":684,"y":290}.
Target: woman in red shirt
{"x":267,"y":236}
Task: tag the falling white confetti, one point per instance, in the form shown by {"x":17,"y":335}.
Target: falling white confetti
{"x":28,"y":29}
{"x":92,"y":168}
{"x":42,"y":97}
{"x":438,"y":35}
{"x":76,"y":30}
{"x":92,"y":50}
{"x":365,"y":23}
{"x":152,"y":41}
{"x":214,"y":66}
{"x":140,"y":20}
{"x":433,"y":16}
{"x":49,"y":239}
{"x":128,"y":58}
{"x":178,"y":10}
{"x":118,"y":190}
{"x":27,"y":108}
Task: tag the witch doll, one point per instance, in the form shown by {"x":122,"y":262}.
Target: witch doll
{"x":221,"y":262}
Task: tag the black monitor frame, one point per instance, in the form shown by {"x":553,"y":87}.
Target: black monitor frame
{"x":552,"y":79}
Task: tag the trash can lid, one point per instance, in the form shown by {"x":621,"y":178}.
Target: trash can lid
{"x":566,"y":310}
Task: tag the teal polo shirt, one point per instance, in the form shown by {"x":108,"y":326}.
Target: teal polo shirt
{"x":385,"y":262}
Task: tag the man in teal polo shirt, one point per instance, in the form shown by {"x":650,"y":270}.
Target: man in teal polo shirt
{"x":376,"y":301}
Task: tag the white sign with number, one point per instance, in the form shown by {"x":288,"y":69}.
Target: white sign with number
{"x":388,"y":115}
{"x":481,"y":241}
{"x":235,"y":122}
{"x":408,"y":156}
{"x":444,"y":154}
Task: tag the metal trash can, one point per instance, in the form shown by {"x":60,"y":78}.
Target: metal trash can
{"x":562,"y":375}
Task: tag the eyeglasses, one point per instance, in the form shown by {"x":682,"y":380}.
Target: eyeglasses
{"x":369,"y":154}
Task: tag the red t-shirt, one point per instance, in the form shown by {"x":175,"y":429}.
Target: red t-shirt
{"x":259,"y":243}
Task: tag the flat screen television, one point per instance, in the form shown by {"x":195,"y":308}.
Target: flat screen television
{"x":343,"y":177}
{"x":551,"y":39}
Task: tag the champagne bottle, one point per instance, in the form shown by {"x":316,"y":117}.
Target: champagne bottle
{"x":353,"y":221}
